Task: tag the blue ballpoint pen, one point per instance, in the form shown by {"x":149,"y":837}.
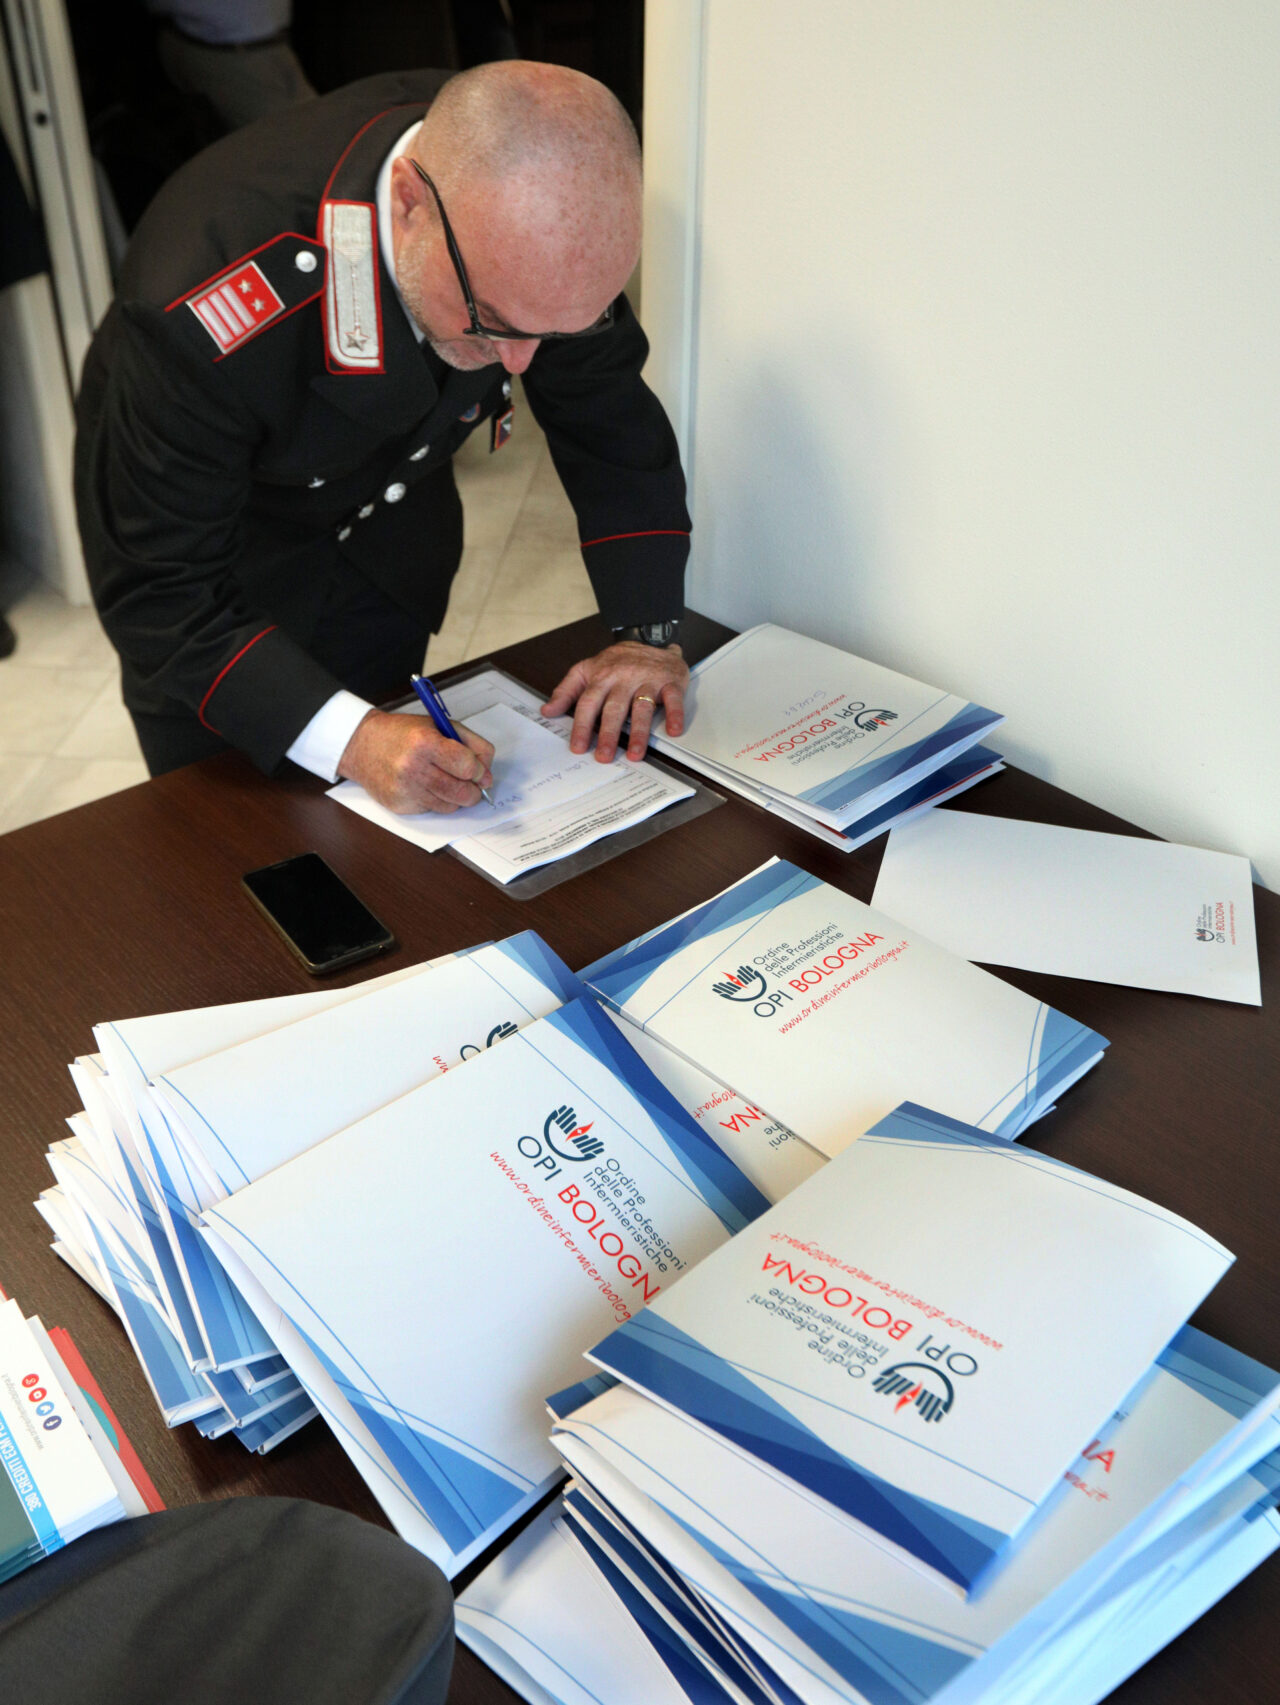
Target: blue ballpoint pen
{"x":434,"y":705}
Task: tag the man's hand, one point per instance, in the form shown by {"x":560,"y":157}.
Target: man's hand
{"x":406,"y":766}
{"x":627,"y":679}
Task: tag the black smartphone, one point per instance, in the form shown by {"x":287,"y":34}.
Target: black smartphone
{"x":321,"y":920}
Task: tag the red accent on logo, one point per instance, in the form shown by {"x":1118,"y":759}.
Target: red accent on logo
{"x":580,"y":1132}
{"x":907,"y":1397}
{"x":236,"y":306}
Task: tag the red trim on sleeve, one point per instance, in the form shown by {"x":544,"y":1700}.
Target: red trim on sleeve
{"x":226,"y":668}
{"x":653,"y":533}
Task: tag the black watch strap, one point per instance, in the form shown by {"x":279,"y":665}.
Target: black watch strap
{"x":651,"y":633}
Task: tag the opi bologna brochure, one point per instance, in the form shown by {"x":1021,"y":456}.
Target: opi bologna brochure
{"x":1190,"y":1457}
{"x":827,"y":1014}
{"x":817,"y":728}
{"x":463,"y":1247}
{"x":859,"y":1342}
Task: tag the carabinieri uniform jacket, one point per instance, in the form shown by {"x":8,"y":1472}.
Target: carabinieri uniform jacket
{"x":257,"y":424}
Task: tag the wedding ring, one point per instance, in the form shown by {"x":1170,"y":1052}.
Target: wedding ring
{"x":643,"y":698}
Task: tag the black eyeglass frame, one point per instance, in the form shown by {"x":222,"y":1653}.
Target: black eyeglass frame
{"x":477,"y":327}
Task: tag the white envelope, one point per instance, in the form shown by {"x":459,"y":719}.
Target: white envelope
{"x":1076,"y":903}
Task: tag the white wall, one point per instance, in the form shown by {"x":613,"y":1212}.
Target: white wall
{"x":981,"y":309}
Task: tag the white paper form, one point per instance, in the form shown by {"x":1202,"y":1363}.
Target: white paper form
{"x":1076,"y":903}
{"x":548,"y":803}
{"x":630,"y":794}
{"x":533,"y":769}
{"x":464,"y":699}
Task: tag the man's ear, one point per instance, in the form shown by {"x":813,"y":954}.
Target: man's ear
{"x":406,"y":193}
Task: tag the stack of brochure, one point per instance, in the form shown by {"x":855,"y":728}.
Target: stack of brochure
{"x":476,"y":1145}
{"x":460,"y":1251}
{"x":181,"y":1109}
{"x":839,"y":746}
{"x":826,"y":1014}
{"x":854,"y":1458}
{"x":62,"y":1472}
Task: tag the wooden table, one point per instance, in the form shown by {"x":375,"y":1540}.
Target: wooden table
{"x":133,"y":905}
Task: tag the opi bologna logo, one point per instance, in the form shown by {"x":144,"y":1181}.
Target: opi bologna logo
{"x":1212,"y":922}
{"x":922,"y":1385}
{"x":748,"y":985}
{"x":565,"y":1137}
{"x":563,"y":1141}
{"x":916,"y":1384}
{"x":744,"y":984}
{"x":469,"y":1050}
{"x":36,"y":1395}
{"x":856,"y":719}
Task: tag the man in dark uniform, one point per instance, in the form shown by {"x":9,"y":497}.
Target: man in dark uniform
{"x":312,"y":316}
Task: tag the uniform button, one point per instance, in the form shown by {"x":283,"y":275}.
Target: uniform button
{"x":343,"y":533}
{"x":419,"y":454}
{"x":315,"y":482}
{"x":305,"y":261}
{"x":365,"y":513}
{"x":395,"y":492}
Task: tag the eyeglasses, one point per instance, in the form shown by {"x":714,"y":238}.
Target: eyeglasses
{"x":477,"y":327}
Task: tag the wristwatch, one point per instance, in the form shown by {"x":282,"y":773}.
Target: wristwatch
{"x":651,"y":633}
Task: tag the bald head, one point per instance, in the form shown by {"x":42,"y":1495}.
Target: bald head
{"x":548,"y":160}
{"x":519,"y":117}
{"x":538,"y":169}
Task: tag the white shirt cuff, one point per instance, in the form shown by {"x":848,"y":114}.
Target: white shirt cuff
{"x":323,"y":741}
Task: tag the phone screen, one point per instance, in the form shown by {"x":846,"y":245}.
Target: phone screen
{"x":317,"y":914}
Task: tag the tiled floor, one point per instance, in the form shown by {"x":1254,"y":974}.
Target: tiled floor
{"x":65,"y":737}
